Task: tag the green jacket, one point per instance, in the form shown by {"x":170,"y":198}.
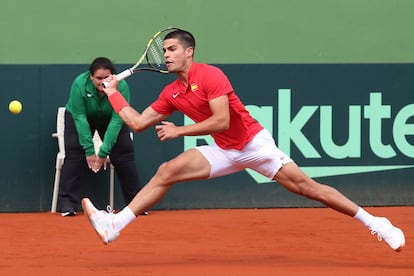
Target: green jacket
{"x":89,"y":110}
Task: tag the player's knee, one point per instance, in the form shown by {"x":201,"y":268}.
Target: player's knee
{"x":165,"y":172}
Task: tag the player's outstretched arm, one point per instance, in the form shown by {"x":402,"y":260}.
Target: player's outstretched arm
{"x":138,"y":122}
{"x":133,"y":119}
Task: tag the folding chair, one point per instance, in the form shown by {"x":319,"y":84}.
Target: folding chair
{"x":60,"y":159}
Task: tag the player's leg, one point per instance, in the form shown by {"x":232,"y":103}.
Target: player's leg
{"x":262,"y":155}
{"x":295,"y":180}
{"x":190,"y":165}
{"x":292,"y":178}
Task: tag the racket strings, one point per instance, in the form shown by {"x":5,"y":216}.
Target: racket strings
{"x":155,"y":55}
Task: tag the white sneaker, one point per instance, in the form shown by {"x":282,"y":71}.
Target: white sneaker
{"x":385,"y":230}
{"x":101,"y":221}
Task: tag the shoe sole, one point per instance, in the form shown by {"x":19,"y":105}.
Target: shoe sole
{"x":88,"y":213}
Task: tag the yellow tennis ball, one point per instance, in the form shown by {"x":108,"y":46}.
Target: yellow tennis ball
{"x":15,"y":107}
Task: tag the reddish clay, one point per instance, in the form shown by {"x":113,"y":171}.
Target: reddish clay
{"x":310,"y":241}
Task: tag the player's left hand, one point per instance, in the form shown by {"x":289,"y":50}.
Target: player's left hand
{"x":167,"y":130}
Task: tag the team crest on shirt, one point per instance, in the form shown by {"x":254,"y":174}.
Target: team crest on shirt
{"x":194,"y":87}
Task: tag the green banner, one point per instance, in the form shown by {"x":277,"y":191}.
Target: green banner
{"x":347,"y":125}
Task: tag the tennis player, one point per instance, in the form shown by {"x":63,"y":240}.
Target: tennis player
{"x":203,"y":93}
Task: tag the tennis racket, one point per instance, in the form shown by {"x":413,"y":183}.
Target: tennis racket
{"x":153,"y":54}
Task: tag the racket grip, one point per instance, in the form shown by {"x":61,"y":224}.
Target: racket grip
{"x":123,"y":75}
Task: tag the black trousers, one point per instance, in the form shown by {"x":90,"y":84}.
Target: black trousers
{"x":75,"y":166}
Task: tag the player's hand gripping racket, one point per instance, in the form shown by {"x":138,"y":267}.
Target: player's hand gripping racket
{"x":153,"y":54}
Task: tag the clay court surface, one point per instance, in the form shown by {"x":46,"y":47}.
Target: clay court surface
{"x":310,"y":241}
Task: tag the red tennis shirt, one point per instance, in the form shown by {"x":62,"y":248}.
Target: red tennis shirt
{"x":205,"y":83}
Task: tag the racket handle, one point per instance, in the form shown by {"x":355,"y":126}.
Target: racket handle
{"x":123,"y":75}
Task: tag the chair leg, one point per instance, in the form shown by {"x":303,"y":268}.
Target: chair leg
{"x":55,"y":190}
{"x":111,"y":185}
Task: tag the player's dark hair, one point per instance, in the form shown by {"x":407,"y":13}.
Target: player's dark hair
{"x":186,"y":38}
{"x":101,"y":63}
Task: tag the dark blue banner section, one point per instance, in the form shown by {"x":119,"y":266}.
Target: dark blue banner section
{"x":350,"y":126}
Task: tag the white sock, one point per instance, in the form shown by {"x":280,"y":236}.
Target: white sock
{"x":123,"y":218}
{"x":364,"y":217}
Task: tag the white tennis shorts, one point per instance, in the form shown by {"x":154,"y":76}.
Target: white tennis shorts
{"x":261,"y":155}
